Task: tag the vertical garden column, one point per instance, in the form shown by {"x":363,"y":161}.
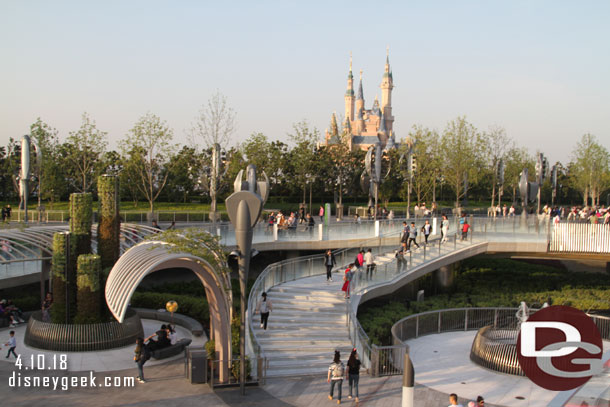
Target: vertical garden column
{"x":89,"y":267}
{"x":58,"y":276}
{"x":81,"y":213}
{"x":108,"y":231}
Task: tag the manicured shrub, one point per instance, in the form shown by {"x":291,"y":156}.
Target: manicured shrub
{"x":485,"y":282}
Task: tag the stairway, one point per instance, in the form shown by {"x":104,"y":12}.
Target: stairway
{"x":305,"y":327}
{"x":308,"y":321}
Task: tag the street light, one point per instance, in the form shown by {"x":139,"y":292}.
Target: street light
{"x":244,"y":207}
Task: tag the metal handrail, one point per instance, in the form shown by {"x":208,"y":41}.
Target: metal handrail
{"x":255,"y":292}
{"x":602,"y":322}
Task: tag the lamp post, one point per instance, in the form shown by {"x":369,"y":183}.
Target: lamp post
{"x":24,"y":175}
{"x":244,"y":207}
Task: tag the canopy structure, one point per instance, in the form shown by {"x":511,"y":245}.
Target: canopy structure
{"x":150,"y":256}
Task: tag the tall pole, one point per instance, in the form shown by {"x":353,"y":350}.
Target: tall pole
{"x":244,"y":207}
{"x":25,"y":174}
{"x":408,"y":382}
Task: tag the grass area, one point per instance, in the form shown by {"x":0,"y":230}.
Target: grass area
{"x":128,"y":206}
{"x":484,"y":282}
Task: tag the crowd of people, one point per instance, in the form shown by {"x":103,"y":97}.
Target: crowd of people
{"x":11,"y":313}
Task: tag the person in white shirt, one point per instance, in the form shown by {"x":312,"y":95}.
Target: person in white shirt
{"x":12,"y":344}
{"x":369,"y":260}
{"x":453,"y":399}
{"x":264,"y":306}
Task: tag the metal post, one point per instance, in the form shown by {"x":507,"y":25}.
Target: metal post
{"x":244,"y":207}
{"x":466,"y":321}
{"x":408,"y":382}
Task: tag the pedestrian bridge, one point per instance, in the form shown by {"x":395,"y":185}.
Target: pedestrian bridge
{"x":295,"y":335}
{"x":25,"y":252}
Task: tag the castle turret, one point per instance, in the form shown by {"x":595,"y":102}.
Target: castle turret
{"x":387,"y":84}
{"x":349,"y":94}
{"x":360,"y":99}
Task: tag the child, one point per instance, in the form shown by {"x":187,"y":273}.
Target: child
{"x":12,"y":344}
{"x":465,"y":228}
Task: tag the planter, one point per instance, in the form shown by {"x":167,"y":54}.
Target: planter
{"x":82,"y":338}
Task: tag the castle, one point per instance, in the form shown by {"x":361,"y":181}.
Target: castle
{"x":365,"y":127}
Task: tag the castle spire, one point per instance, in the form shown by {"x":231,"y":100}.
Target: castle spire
{"x":360,"y":92}
{"x":387,"y":84}
{"x":349,"y":94}
{"x":382,"y":126}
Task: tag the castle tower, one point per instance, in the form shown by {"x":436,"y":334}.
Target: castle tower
{"x":360,"y":98}
{"x":387,"y":84}
{"x":349,"y":94}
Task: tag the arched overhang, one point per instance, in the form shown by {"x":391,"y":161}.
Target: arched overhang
{"x":150,"y":256}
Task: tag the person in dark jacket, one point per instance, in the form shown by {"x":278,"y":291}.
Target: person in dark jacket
{"x":329,"y":262}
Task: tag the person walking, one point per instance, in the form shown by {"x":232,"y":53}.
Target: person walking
{"x":465,"y":228}
{"x":140,"y":357}
{"x":444,"y":229}
{"x":353,"y":371}
{"x":321,"y":213}
{"x":12,"y":344}
{"x":412,"y":236}
{"x":264,"y":307}
{"x":369,"y":260}
{"x":336,"y":371}
{"x":329,"y":262}
{"x":426,"y":229}
{"x":347,"y":278}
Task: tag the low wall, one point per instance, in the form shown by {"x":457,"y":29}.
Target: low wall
{"x":82,"y":338}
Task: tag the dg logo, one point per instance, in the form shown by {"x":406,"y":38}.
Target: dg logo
{"x":559,"y":348}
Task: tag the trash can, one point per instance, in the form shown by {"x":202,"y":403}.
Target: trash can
{"x":196,"y":365}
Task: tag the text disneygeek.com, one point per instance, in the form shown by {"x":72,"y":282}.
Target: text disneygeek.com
{"x":63,"y":383}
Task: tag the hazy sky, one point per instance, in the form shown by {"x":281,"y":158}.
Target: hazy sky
{"x":540,"y":69}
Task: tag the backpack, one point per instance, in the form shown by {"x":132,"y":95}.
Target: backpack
{"x":338,"y":370}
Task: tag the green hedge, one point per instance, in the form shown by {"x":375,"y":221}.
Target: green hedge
{"x":194,"y":307}
{"x":485,"y":282}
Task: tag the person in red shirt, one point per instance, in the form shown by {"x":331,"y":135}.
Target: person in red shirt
{"x":465,"y":228}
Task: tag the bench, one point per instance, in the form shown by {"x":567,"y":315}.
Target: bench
{"x":171,"y":350}
{"x":178,"y":319}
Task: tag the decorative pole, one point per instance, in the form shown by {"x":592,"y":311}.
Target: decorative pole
{"x":408,"y":382}
{"x":244,"y":207}
{"x":372,"y":171}
{"x":24,"y":175}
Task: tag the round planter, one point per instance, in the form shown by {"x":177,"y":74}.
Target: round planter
{"x":82,"y":338}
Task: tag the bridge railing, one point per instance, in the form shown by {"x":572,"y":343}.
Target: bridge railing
{"x":293,"y":269}
{"x":456,"y":319}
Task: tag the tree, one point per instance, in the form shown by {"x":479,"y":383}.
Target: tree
{"x":83,"y":150}
{"x":44,"y":137}
{"x":214,"y":125}
{"x":184,"y":170}
{"x":129,"y":175}
{"x":302,"y":155}
{"x":590,"y":169}
{"x":153,"y":138}
{"x":425,"y":152}
{"x":516,"y":160}
{"x":340,"y":163}
{"x":462,"y":148}
{"x":267,"y":156}
{"x":497,"y":144}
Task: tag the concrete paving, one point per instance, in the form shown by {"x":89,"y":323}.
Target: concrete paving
{"x":100,"y":361}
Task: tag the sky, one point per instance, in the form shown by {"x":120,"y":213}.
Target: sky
{"x":540,"y":69}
